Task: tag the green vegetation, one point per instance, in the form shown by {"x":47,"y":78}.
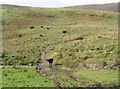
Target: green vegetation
{"x":104,"y":76}
{"x":24,"y":76}
{"x":90,"y":42}
{"x":0,"y":77}
{"x":22,"y":44}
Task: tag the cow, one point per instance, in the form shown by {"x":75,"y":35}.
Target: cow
{"x":31,"y":27}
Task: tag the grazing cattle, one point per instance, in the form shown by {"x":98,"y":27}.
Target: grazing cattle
{"x":42,"y":27}
{"x":31,"y":27}
{"x":48,"y":28}
{"x":50,"y":62}
{"x":41,"y":35}
{"x":64,"y":31}
{"x":99,"y":36}
{"x":42,"y":64}
{"x":20,"y":35}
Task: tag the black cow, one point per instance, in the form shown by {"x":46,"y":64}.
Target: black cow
{"x":64,"y":32}
{"x":31,"y":27}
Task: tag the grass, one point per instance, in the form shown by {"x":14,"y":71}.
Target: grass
{"x":0,"y":76}
{"x":107,"y":77}
{"x":21,"y":44}
{"x":24,"y":76}
{"x":67,"y":81}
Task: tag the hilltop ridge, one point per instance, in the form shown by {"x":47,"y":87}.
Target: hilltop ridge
{"x":112,"y":7}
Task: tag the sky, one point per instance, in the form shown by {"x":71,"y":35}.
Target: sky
{"x":54,"y":3}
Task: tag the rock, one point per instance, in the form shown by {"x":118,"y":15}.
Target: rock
{"x":98,"y":85}
{"x":53,"y":77}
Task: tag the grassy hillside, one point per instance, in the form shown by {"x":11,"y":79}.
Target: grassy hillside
{"x":76,"y":39}
{"x":112,"y":7}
